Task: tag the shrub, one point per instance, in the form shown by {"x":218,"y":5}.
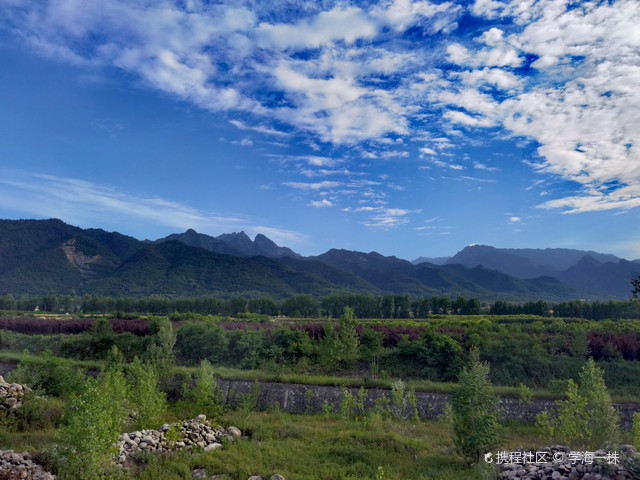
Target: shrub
{"x":148,"y":404}
{"x":205,"y":395}
{"x":51,"y":375}
{"x":159,"y":353}
{"x":94,"y":421}
{"x":37,"y":413}
{"x":586,"y":417}
{"x":603,"y":418}
{"x":340,"y":348}
{"x":474,"y":410}
{"x":196,"y":341}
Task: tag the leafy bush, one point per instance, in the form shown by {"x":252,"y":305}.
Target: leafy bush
{"x":198,"y":340}
{"x":340,"y":348}
{"x":37,"y":413}
{"x":586,"y":417}
{"x":159,"y":352}
{"x":50,"y":375}
{"x":148,"y":405}
{"x":94,"y":421}
{"x":474,"y":410}
{"x":205,"y":395}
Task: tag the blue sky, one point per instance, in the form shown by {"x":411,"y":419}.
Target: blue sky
{"x":406,"y":127}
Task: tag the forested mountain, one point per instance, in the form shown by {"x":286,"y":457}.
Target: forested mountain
{"x":589,"y":271}
{"x":238,"y":244}
{"x":49,"y":256}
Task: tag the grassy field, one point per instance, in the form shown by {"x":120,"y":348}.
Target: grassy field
{"x":307,"y":447}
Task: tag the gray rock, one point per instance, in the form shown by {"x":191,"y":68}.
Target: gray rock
{"x":212,"y":446}
{"x":629,"y":449}
{"x":234,"y":431}
{"x":199,"y":473}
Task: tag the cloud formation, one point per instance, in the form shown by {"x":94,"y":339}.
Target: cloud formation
{"x":386,"y":77}
{"x":81,"y":202}
{"x":584,"y":112}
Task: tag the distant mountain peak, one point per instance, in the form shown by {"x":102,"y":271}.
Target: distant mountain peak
{"x":588,"y":260}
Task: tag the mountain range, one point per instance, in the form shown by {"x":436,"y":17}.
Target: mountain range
{"x":48,"y":256}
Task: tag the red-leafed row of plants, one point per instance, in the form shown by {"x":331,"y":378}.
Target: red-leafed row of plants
{"x":48,"y":326}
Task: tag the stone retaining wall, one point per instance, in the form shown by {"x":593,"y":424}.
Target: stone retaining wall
{"x":294,"y":398}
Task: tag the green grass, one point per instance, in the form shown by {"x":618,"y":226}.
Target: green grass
{"x":324,"y":447}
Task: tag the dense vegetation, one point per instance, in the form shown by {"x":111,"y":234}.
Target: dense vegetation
{"x":537,"y":351}
{"x":138,"y":377}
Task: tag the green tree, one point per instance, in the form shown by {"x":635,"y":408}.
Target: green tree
{"x":603,"y":418}
{"x":159,"y":354}
{"x":586,"y":417}
{"x":94,"y":422}
{"x":474,"y":410}
{"x":148,"y":404}
{"x":635,"y":283}
{"x":340,"y":348}
{"x":205,"y":395}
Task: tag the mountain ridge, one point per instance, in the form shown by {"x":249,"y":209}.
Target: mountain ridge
{"x":49,"y":256}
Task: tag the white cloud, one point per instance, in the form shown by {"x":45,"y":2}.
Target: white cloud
{"x":497,"y":77}
{"x":581,"y":105}
{"x":321,"y":203}
{"x":81,"y":202}
{"x":428,"y":151}
{"x":245,"y":142}
{"x":258,"y":128}
{"x":514,"y":219}
{"x":585,"y":111}
{"x":403,"y":13}
{"x":482,"y":166}
{"x":475,"y":179}
{"x":325,"y":185}
{"x":337,"y":109}
{"x":322,"y":172}
{"x":382,"y":216}
{"x":339,"y":24}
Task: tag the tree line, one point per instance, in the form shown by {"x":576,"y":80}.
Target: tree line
{"x":306,"y":306}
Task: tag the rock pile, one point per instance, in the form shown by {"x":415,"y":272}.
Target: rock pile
{"x":561,"y":463}
{"x":189,"y":434}
{"x":20,"y":466}
{"x":11,"y":395}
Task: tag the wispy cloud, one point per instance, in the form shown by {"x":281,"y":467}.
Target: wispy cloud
{"x":383,"y":217}
{"x":353,"y":75}
{"x":482,"y":166}
{"x":325,"y":185}
{"x":475,"y":179}
{"x":321,"y":203}
{"x":258,"y":128}
{"x":81,"y":202}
